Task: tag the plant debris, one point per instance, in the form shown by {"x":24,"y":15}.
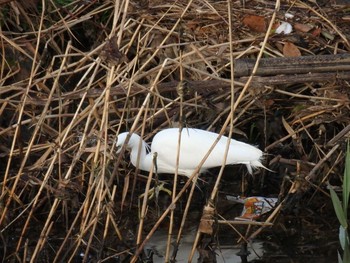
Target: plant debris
{"x":74,"y":74}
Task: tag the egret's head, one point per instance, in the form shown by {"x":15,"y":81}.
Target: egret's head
{"x":121,"y":140}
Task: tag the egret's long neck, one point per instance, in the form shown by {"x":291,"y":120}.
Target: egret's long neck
{"x":145,"y":159}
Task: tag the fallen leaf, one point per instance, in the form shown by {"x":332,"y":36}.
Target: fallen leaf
{"x":316,"y":32}
{"x":192,"y":25}
{"x":291,"y":50}
{"x":111,"y":53}
{"x":279,"y":46}
{"x":268,"y":103}
{"x":289,"y":129}
{"x":255,"y":23}
{"x":302,"y":27}
{"x":276,"y":25}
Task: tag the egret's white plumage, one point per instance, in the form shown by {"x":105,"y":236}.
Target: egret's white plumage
{"x":194,"y":146}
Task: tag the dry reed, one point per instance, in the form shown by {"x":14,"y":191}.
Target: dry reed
{"x":76,"y":73}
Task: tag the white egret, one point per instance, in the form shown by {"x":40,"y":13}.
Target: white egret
{"x":195,"y":144}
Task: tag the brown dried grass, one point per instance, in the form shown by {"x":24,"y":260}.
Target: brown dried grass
{"x":73,"y":77}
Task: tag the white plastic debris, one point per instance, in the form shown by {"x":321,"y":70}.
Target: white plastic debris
{"x":284,"y":28}
{"x":288,"y":15}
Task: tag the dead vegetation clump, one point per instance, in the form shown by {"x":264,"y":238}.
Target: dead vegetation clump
{"x":74,"y":74}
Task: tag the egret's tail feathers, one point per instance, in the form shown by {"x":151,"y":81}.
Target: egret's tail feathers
{"x":255,"y":164}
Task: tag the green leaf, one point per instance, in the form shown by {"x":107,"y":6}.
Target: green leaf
{"x":343,"y":237}
{"x":346,"y":254}
{"x":338,"y":208}
{"x":346,"y":182}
